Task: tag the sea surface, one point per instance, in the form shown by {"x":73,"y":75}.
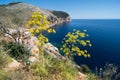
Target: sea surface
{"x":104,"y":35}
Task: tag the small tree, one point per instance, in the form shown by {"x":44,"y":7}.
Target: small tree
{"x":73,"y":43}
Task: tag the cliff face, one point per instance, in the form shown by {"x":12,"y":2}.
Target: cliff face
{"x":19,"y":13}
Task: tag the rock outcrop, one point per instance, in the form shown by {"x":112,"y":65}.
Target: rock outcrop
{"x":30,"y":42}
{"x":19,"y":13}
{"x":15,"y":65}
{"x":81,"y":76}
{"x":52,"y":51}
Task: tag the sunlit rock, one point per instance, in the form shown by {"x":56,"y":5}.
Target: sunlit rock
{"x":15,"y":65}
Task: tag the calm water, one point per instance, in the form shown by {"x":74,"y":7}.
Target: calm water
{"x":104,"y":35}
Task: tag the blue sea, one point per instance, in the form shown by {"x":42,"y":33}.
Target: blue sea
{"x":104,"y":35}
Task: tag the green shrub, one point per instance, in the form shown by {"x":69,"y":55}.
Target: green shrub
{"x":16,"y":75}
{"x":85,"y":69}
{"x":12,"y":3}
{"x":66,"y":71}
{"x":17,"y":51}
{"x":4,"y":58}
{"x":3,"y":74}
{"x":54,"y":69}
{"x":39,"y":69}
{"x":91,"y":76}
{"x":108,"y":72}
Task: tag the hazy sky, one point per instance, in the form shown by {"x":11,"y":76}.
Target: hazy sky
{"x":79,"y":9}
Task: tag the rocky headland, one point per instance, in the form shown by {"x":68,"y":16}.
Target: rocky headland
{"x":15,"y":15}
{"x":19,"y":13}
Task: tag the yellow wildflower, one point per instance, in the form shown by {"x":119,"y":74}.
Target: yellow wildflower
{"x":79,"y":54}
{"x":90,"y":45}
{"x":32,"y":34}
{"x":31,"y":30}
{"x":49,"y":30}
{"x":68,"y":34}
{"x":67,"y":53}
{"x":88,"y":41}
{"x":27,"y":25}
{"x":73,"y":49}
{"x":54,"y":31}
{"x":85,"y":55}
{"x":61,"y":49}
{"x":82,"y":52}
{"x":39,"y":44}
{"x":46,"y":40}
{"x":37,"y":31}
{"x":38,"y":22}
{"x":33,"y":22}
{"x":88,"y":55}
{"x":67,"y":41}
{"x":82,"y":35}
{"x":82,"y":42}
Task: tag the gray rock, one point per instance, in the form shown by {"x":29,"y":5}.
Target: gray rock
{"x":52,"y":51}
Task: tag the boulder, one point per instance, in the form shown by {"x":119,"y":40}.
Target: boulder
{"x":15,"y":65}
{"x":81,"y":76}
{"x":52,"y":51}
{"x":33,"y":59}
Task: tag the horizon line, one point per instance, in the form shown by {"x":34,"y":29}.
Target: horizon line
{"x":95,"y":18}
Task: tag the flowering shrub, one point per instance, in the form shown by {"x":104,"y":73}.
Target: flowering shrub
{"x":37,"y":25}
{"x":73,"y":41}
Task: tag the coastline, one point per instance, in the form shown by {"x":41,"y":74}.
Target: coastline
{"x":60,"y":21}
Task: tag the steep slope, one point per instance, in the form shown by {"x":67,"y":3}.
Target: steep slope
{"x":19,"y":13}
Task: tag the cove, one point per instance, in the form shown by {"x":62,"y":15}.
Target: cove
{"x":104,"y":35}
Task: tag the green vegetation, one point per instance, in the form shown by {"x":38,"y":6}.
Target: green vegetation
{"x":14,"y":3}
{"x":91,"y":76}
{"x":46,"y":68}
{"x":85,"y":69}
{"x":109,"y":72}
{"x":4,"y":58}
{"x":2,"y":74}
{"x":54,"y":69}
{"x":60,"y":14}
{"x":17,"y":51}
{"x":12,"y":17}
{"x":16,"y":75}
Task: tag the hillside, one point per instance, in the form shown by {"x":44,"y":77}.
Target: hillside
{"x":23,"y":56}
{"x":19,"y":13}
